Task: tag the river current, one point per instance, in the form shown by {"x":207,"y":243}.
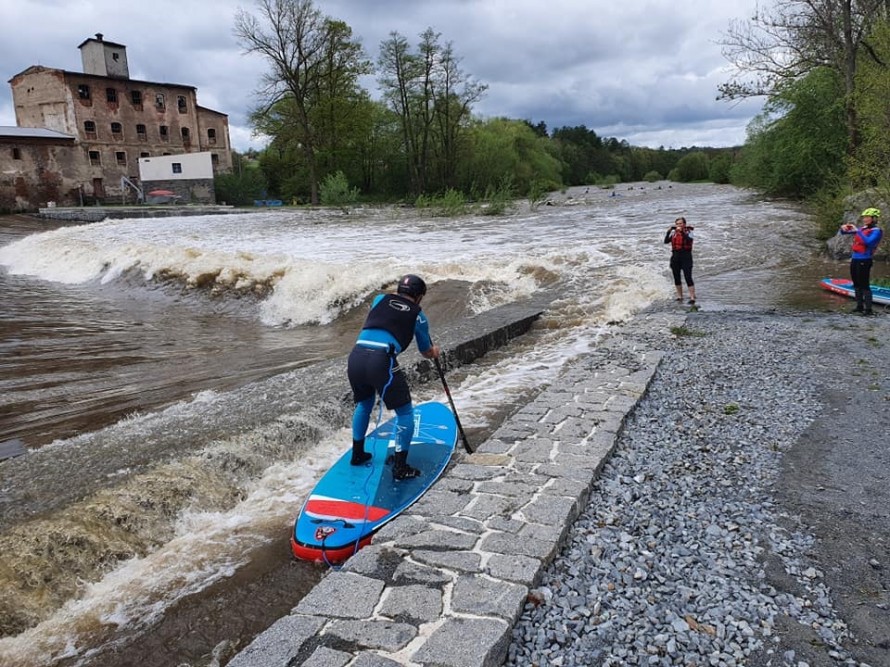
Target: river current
{"x":107,"y":326}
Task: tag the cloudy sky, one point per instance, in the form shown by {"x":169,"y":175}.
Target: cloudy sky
{"x":645,"y":71}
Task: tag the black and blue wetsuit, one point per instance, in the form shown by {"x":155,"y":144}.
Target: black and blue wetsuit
{"x":373,"y":365}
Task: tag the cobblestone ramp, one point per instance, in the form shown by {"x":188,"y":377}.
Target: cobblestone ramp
{"x":444,"y":583}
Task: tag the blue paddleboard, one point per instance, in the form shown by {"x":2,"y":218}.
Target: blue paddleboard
{"x":844,"y":286}
{"x":350,"y":503}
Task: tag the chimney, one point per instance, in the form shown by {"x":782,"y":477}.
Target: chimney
{"x":99,"y":36}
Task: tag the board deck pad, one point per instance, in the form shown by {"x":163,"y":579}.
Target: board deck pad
{"x":844,"y":287}
{"x":349,"y":503}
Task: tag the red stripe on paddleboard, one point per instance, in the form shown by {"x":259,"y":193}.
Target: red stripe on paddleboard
{"x":319,"y":555}
{"x":341,"y":509}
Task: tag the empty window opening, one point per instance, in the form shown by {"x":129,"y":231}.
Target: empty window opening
{"x":211,"y":135}
{"x":185,"y":134}
{"x":163,"y":130}
{"x":180,"y":103}
{"x":117,"y":129}
{"x":95,"y":159}
{"x":121,"y":157}
{"x":160,"y":102}
{"x":111,"y":95}
{"x":144,"y":154}
{"x":16,"y":154}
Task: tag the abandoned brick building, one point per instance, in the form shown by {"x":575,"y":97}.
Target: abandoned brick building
{"x":78,"y":133}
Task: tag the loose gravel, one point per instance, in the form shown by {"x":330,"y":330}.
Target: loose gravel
{"x":665,"y":565}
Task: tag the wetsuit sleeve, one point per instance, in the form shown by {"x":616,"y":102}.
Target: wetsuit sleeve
{"x":422,"y":333}
{"x":667,"y":236}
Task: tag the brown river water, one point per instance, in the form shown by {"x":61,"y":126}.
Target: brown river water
{"x":109,"y":327}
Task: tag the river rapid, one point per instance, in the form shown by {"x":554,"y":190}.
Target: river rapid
{"x":109,"y":326}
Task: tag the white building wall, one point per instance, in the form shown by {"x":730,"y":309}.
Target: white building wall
{"x":192,"y":166}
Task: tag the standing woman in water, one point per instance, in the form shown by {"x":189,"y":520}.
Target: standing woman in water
{"x":680,"y":237}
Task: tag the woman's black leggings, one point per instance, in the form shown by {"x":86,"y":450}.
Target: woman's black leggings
{"x":681,"y":260}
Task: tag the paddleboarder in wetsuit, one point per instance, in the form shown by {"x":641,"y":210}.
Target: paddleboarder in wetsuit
{"x":865,"y":242}
{"x":373,"y":368}
{"x":680,"y":236}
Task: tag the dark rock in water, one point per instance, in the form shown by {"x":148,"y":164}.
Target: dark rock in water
{"x":10,"y":448}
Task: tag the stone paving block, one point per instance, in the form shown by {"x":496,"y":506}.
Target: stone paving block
{"x":414,"y":573}
{"x":401,"y":527}
{"x":516,"y":486}
{"x":489,"y":505}
{"x":546,"y":533}
{"x":374,"y":660}
{"x":562,"y":470}
{"x":469,"y":471}
{"x":481,"y":596}
{"x":375,"y":560}
{"x":461,"y":523}
{"x":504,"y":524}
{"x":570,"y":488}
{"x":574,"y":428}
{"x":466,"y":643}
{"x":437,"y":502}
{"x":327,"y":657}
{"x":438,"y":539}
{"x":493,"y":445}
{"x":588,"y":460}
{"x":507,"y":543}
{"x":342,"y":595}
{"x":453,"y":483}
{"x":537,"y":450}
{"x":385,"y":635}
{"x":551,"y":510}
{"x":280,"y":644}
{"x":460,"y":561}
{"x":412,"y":604}
{"x":521,"y":569}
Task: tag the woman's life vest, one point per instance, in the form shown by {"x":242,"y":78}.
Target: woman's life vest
{"x":681,"y":241}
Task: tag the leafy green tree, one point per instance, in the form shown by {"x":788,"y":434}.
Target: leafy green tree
{"x":791,"y":39}
{"x":870,"y":164}
{"x":335,"y":191}
{"x":691,"y":167}
{"x":242,"y":185}
{"x":501,"y":146}
{"x":314,"y":65}
{"x":719,"y":168}
{"x":797,"y":146}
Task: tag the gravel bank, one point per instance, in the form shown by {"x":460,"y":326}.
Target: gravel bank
{"x":699,"y":545}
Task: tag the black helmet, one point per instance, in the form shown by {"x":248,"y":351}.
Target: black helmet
{"x":412,"y":285}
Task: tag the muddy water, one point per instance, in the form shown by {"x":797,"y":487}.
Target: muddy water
{"x":78,"y":355}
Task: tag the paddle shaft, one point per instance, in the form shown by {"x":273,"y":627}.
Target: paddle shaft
{"x":463,"y":436}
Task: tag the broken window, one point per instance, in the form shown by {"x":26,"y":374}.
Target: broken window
{"x":16,"y":154}
{"x":180,"y":103}
{"x":177,"y":167}
{"x":121,"y":157}
{"x":136,"y":97}
{"x":185,"y":135}
{"x":160,"y":102}
{"x":144,"y":154}
{"x":95,"y":159}
{"x":214,"y":159}
{"x":117,"y":130}
{"x":83,"y":91}
{"x":140,"y":132}
{"x":111,"y":95}
{"x":211,"y":136}
{"x":163,"y":130}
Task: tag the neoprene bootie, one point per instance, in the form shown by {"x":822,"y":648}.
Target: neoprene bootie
{"x":359,"y":455}
{"x":401,"y":469}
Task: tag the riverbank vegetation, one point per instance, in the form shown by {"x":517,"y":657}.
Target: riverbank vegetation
{"x":823,"y":67}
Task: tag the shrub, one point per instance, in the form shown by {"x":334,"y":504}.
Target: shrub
{"x":335,"y":191}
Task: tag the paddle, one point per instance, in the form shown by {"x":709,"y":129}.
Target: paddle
{"x":460,"y":428}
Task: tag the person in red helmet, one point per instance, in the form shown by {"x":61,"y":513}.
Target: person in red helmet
{"x":373,"y":369}
{"x":866,"y":240}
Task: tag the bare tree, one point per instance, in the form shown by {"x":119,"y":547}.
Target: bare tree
{"x":307,"y":53}
{"x":781,"y":44}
